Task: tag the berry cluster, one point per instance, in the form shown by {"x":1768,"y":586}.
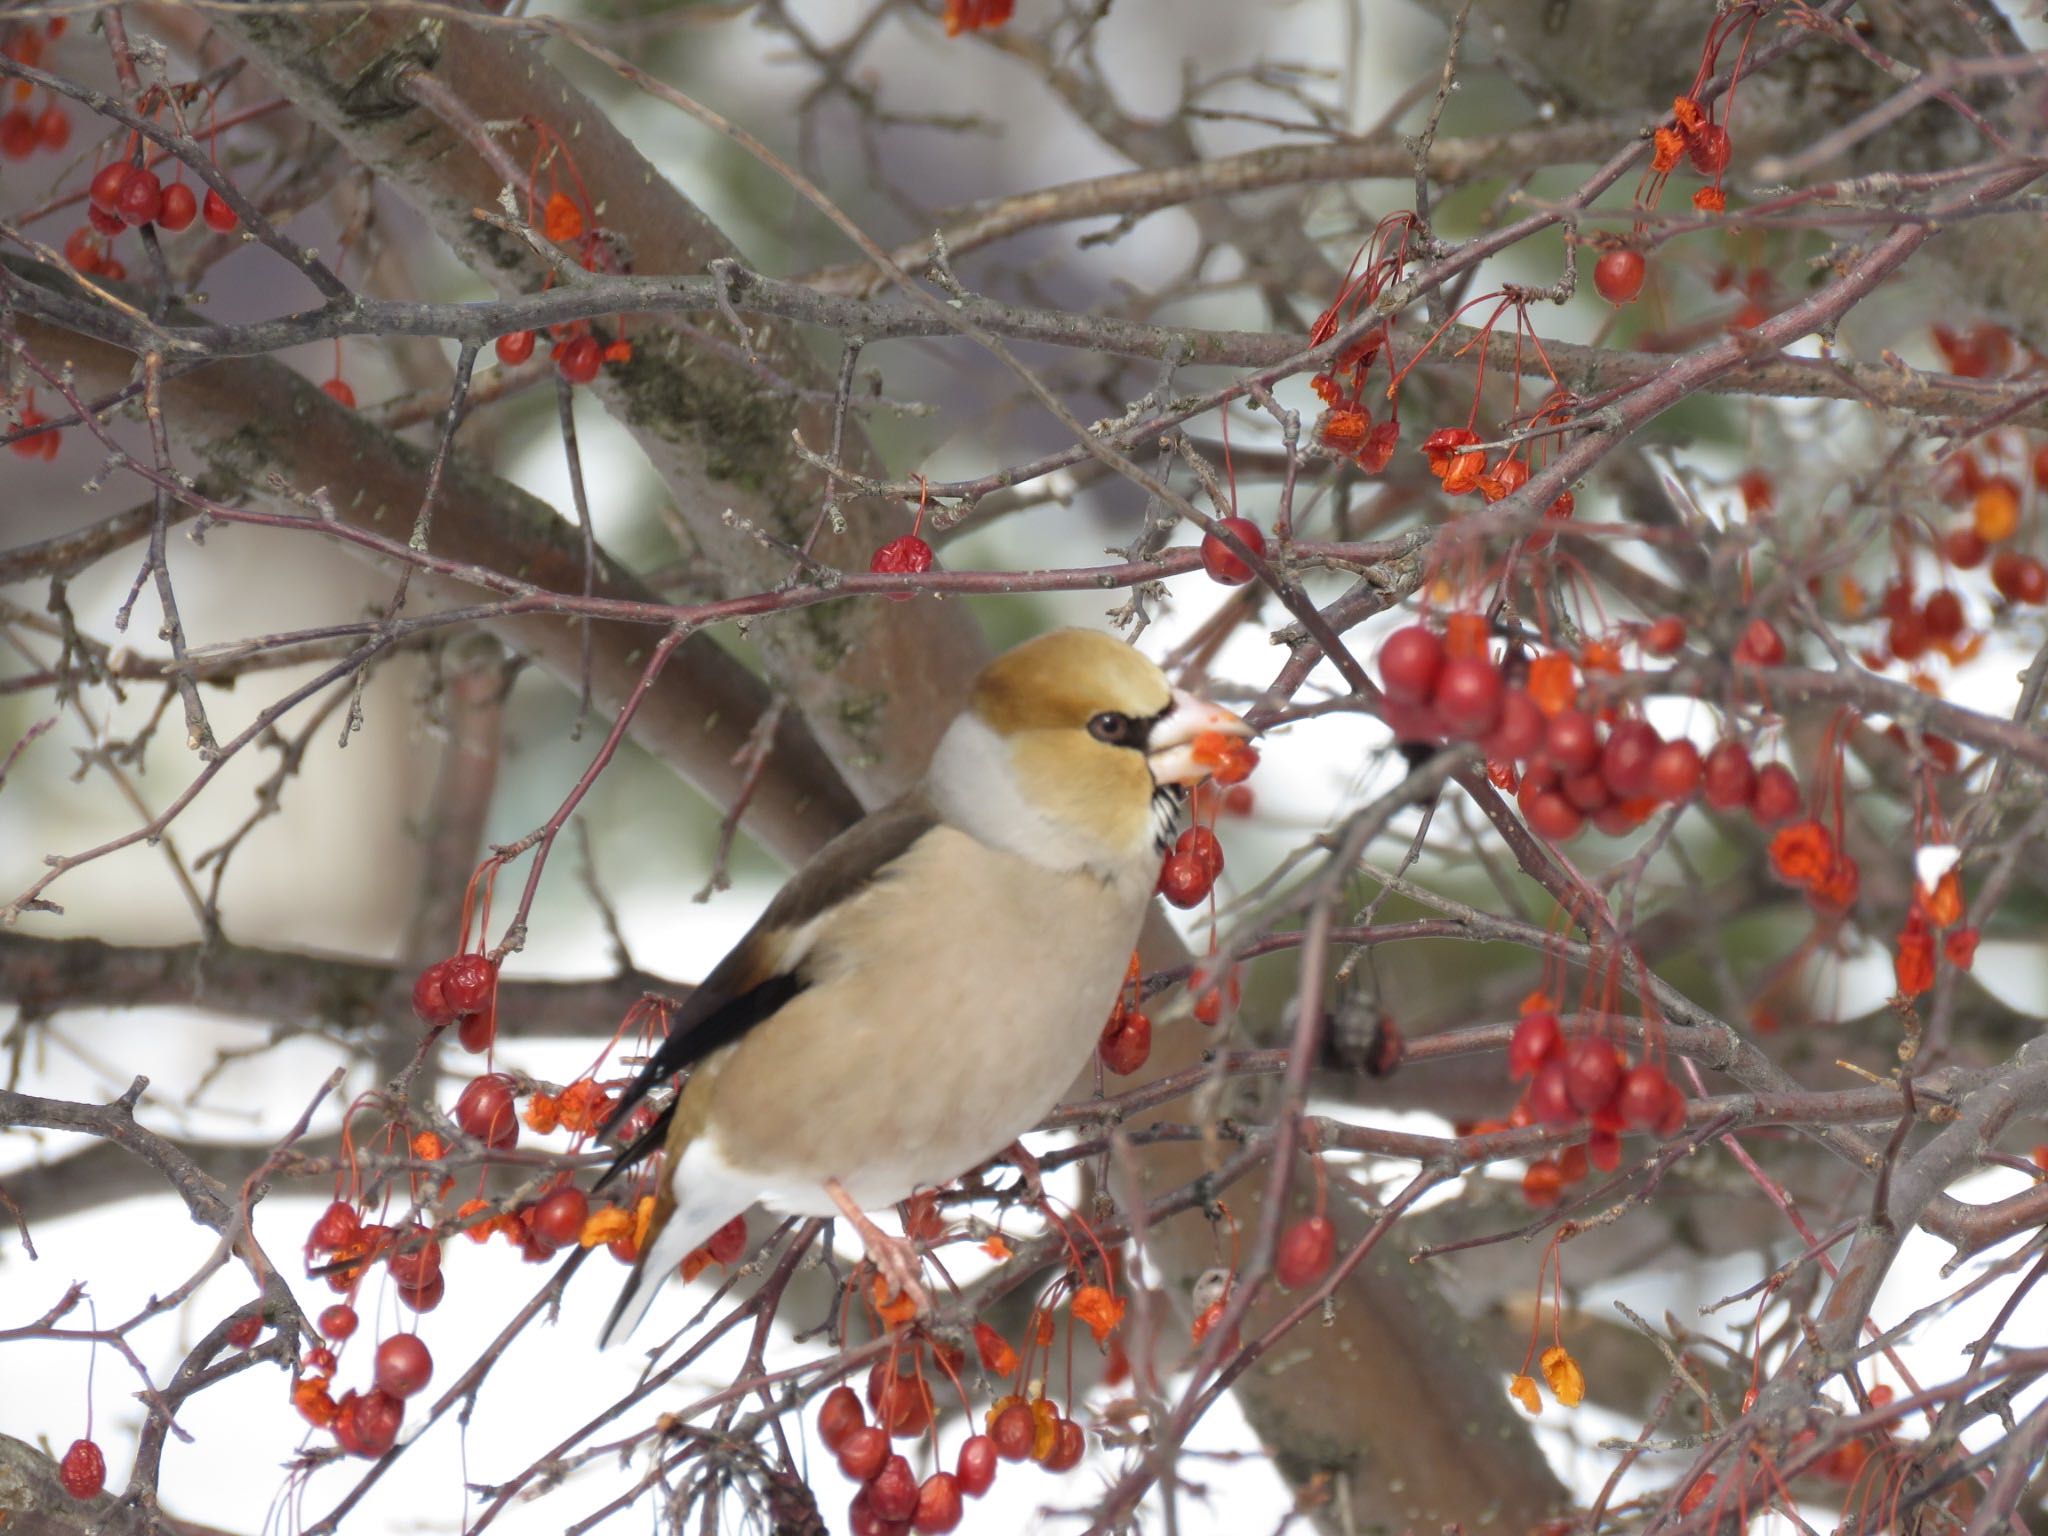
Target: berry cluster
{"x":22,"y":132}
{"x":1588,"y":1080}
{"x":461,"y":990}
{"x":563,"y":213}
{"x":1575,"y":763}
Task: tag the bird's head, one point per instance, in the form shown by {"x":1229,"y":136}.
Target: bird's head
{"x":1070,"y":747}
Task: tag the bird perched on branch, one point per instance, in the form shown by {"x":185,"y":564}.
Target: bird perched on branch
{"x":922,"y":992}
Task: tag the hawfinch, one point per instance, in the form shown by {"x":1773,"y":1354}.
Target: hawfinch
{"x":925,"y":989}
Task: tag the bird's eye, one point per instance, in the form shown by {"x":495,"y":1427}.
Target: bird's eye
{"x":1113,"y":728}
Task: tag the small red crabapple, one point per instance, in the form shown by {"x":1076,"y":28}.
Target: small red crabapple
{"x":83,"y":1470}
{"x":180,"y":208}
{"x":219,"y":216}
{"x":1592,"y":1074}
{"x":1223,"y":563}
{"x":142,"y":197}
{"x":1306,"y":1251}
{"x":1761,"y":645}
{"x":337,"y":389}
{"x":1070,"y":1443}
{"x":558,"y":1217}
{"x":104,"y":191}
{"x":430,"y":996}
{"x":485,"y":1111}
{"x":1728,"y":776}
{"x":1184,"y":881}
{"x":862,"y":1452}
{"x":338,"y":1322}
{"x":515,"y":347}
{"x":1410,"y":661}
{"x":469,"y":981}
{"x":905,"y":556}
{"x":1202,"y":844}
{"x":1665,"y":637}
{"x":245,"y":1330}
{"x":1618,"y":275}
{"x":839,"y":1416}
{"x":1774,"y":796}
{"x":1468,"y":696}
{"x":1126,"y":1042}
{"x":976,"y":1469}
{"x":938,"y":1505}
{"x":1675,"y":770}
{"x":1013,"y":1432}
{"x":579,"y":358}
{"x":403,"y":1364}
{"x":892,"y":1492}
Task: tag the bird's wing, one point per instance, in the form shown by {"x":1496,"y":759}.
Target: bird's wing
{"x":766,"y":968}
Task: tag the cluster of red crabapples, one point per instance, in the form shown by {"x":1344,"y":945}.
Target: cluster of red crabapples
{"x":24,"y":133}
{"x":568,"y":220}
{"x":1017,"y":1427}
{"x":1586,"y":1081}
{"x":1567,"y":763}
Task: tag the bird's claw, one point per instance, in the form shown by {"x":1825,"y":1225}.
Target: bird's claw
{"x":896,"y":1261}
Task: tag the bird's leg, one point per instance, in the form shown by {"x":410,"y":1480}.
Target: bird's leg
{"x":892,"y":1256}
{"x":1026,"y":1163}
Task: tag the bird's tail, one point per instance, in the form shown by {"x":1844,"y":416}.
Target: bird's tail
{"x":683,"y":1233}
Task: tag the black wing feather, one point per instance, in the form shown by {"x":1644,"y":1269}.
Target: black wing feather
{"x":726,"y":1006}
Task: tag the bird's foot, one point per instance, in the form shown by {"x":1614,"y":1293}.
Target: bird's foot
{"x":894,"y":1258}
{"x":1025,"y":1162}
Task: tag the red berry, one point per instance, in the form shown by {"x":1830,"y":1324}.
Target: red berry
{"x":1468,"y":696}
{"x":1675,"y":770}
{"x":403,"y":1364}
{"x":901,"y":1400}
{"x":1222,"y":562}
{"x":1710,"y":149}
{"x":337,"y":1228}
{"x":108,"y":224}
{"x":82,"y":249}
{"x":1571,"y":742}
{"x":1587,"y":792}
{"x":892,"y":1492}
{"x":1068,"y":1447}
{"x":1201,"y":844}
{"x":1592,"y":1074}
{"x":1306,"y":1251}
{"x":338,"y":1322}
{"x":1519,"y":731}
{"x":1664,"y":637}
{"x":1775,"y":795}
{"x":1013,"y":1432}
{"x":977,"y":1467}
{"x":220,"y":218}
{"x":907,"y":556}
{"x":142,"y":197}
{"x":430,"y":996}
{"x":469,"y":982}
{"x":1728,"y":776}
{"x":17,"y":134}
{"x":337,"y":389}
{"x":1640,"y":1104}
{"x":1625,"y":760}
{"x":1761,"y":645}
{"x":53,"y":128}
{"x":1183,"y":881}
{"x":1943,"y":614}
{"x":83,"y":1471}
{"x":1126,"y":1043}
{"x":1965,"y":548}
{"x":730,"y":1241}
{"x":2019,"y":578}
{"x":180,"y":208}
{"x":938,"y":1505}
{"x":862,"y":1452}
{"x":1410,"y":660}
{"x":839,"y":1416}
{"x":1618,"y":275}
{"x":373,"y":1423}
{"x":515,"y":347}
{"x":1536,"y":1041}
{"x":558,"y":1218}
{"x":477,"y":1031}
{"x":415,"y":1256}
{"x":861,"y":1519}
{"x":1550,"y":1099}
{"x":1553,"y":817}
{"x":579,"y":358}
{"x":104,"y":191}
{"x":243,"y":1333}
{"x":485,"y":1111}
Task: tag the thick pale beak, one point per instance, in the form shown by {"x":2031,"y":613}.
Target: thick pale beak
{"x":1170,"y":749}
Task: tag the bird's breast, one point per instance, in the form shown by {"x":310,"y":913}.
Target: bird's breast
{"x":951,"y":1005}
